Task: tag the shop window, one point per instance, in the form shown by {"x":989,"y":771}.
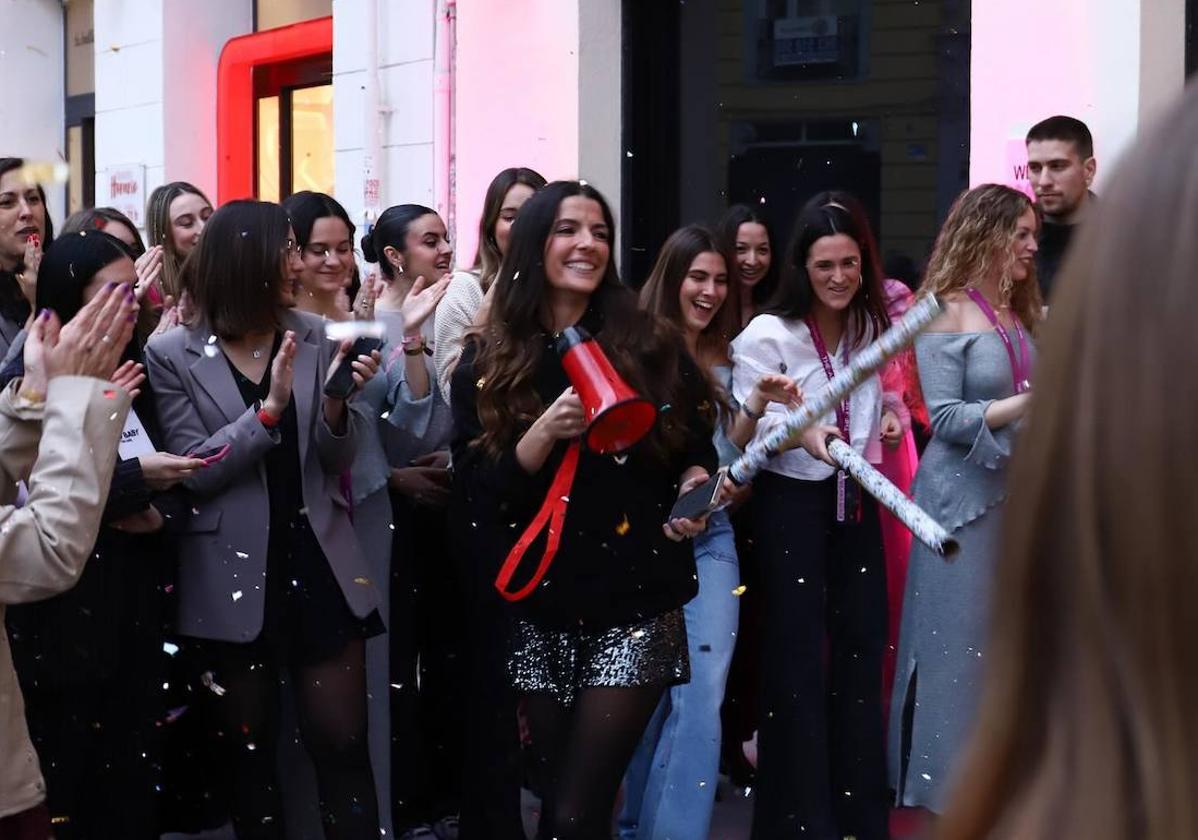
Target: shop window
{"x":275,"y":112}
{"x":294,"y":128}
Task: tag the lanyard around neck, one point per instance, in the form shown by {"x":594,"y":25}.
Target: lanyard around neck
{"x":1021,"y":366}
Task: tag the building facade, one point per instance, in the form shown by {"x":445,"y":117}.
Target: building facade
{"x":672,"y":109}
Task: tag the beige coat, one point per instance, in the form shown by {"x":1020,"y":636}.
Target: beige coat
{"x":44,"y":545}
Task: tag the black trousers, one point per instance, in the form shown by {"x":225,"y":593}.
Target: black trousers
{"x":494,"y":768}
{"x":821,"y":766}
{"x":427,"y":669}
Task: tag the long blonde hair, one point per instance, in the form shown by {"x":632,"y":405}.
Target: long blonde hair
{"x":1087,"y":726}
{"x":975,"y":240}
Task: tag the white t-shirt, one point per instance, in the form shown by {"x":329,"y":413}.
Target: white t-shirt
{"x":770,"y":344}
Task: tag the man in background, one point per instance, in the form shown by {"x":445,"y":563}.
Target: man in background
{"x":1061,"y":167}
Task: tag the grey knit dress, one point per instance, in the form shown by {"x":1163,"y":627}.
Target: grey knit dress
{"x":942,"y":641}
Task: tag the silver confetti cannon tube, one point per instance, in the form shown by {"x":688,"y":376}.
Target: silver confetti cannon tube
{"x":926,"y":529}
{"x":863,"y":365}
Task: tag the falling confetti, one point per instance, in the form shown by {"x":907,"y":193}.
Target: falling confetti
{"x":624,"y":527}
{"x":740,"y":590}
{"x":237,"y":595}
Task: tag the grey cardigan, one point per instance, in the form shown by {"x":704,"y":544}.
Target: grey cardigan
{"x":222,"y":553}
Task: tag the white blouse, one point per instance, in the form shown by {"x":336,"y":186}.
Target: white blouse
{"x":770,"y":344}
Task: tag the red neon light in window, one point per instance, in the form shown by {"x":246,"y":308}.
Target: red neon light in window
{"x":235,"y":95}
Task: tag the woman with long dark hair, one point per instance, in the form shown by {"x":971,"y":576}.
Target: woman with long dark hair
{"x":975,"y":372}
{"x":602,"y":636}
{"x":820,"y":745}
{"x":670,"y":787}
{"x":91,"y":660}
{"x":747,"y":235}
{"x":25,"y":231}
{"x":244,"y":385}
{"x":464,"y":299}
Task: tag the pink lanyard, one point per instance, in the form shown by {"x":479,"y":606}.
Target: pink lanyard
{"x":1021,"y":367}
{"x":842,"y":415}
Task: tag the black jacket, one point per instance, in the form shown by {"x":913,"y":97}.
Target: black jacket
{"x":614,"y":565}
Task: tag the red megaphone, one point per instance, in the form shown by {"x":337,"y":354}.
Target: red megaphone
{"x":616,"y":416}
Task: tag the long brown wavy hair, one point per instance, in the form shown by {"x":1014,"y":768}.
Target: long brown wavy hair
{"x":660,"y":293}
{"x":1087,"y":726}
{"x":975,"y":240}
{"x":646,"y":351}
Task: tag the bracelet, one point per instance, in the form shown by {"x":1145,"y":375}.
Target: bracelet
{"x":414,"y":351}
{"x":267,"y":419}
{"x":744,"y":407}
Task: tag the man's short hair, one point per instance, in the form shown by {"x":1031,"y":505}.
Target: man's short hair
{"x":1064,"y":128}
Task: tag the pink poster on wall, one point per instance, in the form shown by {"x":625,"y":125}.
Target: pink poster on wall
{"x":1016,"y":168}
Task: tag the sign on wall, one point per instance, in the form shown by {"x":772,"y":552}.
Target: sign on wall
{"x":1017,"y":174}
{"x":124,"y":188}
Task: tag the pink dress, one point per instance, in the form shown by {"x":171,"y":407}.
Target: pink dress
{"x":898,"y":465}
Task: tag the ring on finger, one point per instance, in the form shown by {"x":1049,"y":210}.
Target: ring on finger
{"x":107,"y":339}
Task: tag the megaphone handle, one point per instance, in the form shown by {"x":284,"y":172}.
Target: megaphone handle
{"x":553,"y":512}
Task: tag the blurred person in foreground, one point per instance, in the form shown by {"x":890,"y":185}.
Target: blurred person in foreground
{"x":1087,"y":726}
{"x":59,"y":429}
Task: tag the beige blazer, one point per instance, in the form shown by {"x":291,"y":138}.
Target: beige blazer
{"x":44,"y":545}
{"x":222,"y":552}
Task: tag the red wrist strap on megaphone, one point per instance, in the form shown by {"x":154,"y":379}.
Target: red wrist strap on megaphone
{"x":553,"y":512}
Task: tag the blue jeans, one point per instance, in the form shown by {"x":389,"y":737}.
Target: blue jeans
{"x":669,"y":788}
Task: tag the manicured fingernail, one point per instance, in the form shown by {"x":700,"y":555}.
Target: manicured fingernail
{"x":132,"y":317}
{"x":44,"y":314}
{"x":109,"y":287}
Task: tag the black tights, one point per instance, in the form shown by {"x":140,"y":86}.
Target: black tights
{"x":331,"y":702}
{"x":583,"y":752}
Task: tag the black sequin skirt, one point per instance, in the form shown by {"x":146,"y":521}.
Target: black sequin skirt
{"x":562,"y":662}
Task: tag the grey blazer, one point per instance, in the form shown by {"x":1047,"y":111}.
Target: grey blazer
{"x":222,"y":555}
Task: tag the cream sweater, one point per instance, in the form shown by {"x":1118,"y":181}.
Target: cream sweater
{"x":455,"y":315}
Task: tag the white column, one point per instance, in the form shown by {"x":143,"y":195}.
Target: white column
{"x":156,"y":63}
{"x":405,"y":33}
{"x":31,"y":104}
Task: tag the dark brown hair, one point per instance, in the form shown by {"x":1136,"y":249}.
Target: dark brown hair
{"x":1087,"y":726}
{"x":488,"y":258}
{"x":660,"y":293}
{"x":646,"y":351}
{"x":729,"y":229}
{"x":236,"y":269}
{"x":830,"y":214}
{"x":1069,"y":129}
{"x":99,"y":218}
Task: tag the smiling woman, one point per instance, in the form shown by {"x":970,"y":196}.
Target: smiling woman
{"x":818,"y":540}
{"x":25,"y":230}
{"x":599,"y":641}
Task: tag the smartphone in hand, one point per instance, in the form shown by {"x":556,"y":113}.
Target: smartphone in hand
{"x":341,"y":383}
{"x":699,"y":501}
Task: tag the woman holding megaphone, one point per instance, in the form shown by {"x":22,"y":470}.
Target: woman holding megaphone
{"x":570,"y":481}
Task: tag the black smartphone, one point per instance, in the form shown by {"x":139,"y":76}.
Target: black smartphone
{"x":341,"y":383}
{"x":699,"y":501}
